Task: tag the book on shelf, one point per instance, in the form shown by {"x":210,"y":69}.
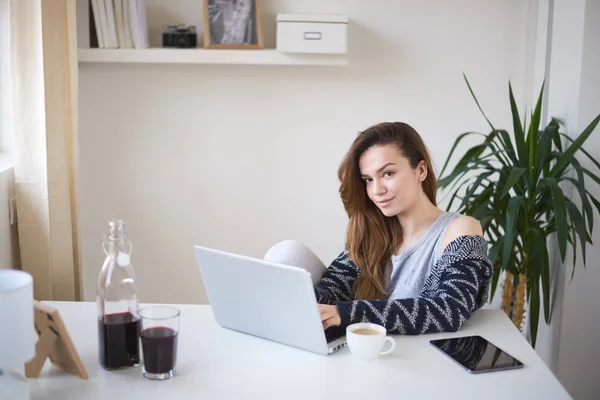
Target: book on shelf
{"x":118,"y":24}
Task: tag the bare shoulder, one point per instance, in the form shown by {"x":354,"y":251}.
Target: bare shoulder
{"x":462,"y":226}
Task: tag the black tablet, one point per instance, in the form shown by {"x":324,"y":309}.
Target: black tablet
{"x":476,"y":354}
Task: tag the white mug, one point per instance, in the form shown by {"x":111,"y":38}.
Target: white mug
{"x":366,"y":340}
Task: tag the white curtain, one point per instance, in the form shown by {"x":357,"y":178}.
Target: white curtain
{"x":44,"y":72}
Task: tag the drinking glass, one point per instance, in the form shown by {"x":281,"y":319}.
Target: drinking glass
{"x":159,"y":328}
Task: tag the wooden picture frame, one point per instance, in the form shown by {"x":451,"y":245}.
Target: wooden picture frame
{"x":221,"y":33}
{"x":54,"y":343}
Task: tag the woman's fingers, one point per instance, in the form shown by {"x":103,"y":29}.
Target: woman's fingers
{"x":329,"y":315}
{"x":326,"y":323}
{"x":325,"y":316}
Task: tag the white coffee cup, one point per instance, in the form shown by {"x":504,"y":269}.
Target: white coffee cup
{"x":366,"y":340}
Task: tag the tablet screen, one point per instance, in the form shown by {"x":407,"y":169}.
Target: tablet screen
{"x":476,"y":354}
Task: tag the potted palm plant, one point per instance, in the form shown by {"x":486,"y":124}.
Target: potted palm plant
{"x":518,"y":186}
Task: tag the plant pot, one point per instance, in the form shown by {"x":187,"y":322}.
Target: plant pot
{"x":513,"y":298}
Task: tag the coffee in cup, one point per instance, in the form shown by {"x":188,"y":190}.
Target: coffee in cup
{"x":367,"y":340}
{"x":365,"y":331}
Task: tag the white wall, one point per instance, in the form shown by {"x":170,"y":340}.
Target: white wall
{"x":569,"y":345}
{"x":579,"y":351}
{"x":240,"y":157}
{"x":562,"y":91}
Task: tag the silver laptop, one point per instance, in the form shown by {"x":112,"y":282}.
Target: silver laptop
{"x":265,"y":299}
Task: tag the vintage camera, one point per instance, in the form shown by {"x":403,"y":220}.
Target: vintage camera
{"x":179,"y":36}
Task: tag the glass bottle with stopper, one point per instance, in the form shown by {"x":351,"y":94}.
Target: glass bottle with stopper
{"x":117,"y":298}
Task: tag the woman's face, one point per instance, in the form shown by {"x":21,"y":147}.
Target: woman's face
{"x":391,"y":183}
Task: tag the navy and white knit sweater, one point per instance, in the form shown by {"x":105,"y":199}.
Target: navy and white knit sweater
{"x":457,"y":286}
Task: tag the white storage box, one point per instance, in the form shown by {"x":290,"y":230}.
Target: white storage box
{"x":306,"y":33}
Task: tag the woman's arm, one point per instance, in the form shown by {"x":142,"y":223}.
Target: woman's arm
{"x":456,"y":288}
{"x":337,"y":281}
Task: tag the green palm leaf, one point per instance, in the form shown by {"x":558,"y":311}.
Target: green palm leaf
{"x":533,"y":132}
{"x":575,"y":145}
{"x":512,"y":215}
{"x":534,"y":311}
{"x":514,"y":176}
{"x":579,"y":223}
{"x":589,"y":156}
{"x":518,"y":130}
{"x":560,"y":215}
{"x":455,"y":145}
{"x":477,"y":102}
{"x":541,"y":259}
{"x":580,"y":186}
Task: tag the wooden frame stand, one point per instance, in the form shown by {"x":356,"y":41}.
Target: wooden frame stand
{"x":43,"y":348}
{"x":54,"y":343}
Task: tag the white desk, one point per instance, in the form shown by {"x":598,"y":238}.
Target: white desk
{"x":215,"y":363}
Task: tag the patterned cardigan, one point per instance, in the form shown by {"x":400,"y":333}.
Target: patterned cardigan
{"x":457,"y":286}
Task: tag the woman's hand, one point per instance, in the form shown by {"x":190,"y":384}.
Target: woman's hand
{"x":330,"y":316}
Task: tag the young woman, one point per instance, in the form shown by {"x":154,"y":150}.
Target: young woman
{"x":408,"y":265}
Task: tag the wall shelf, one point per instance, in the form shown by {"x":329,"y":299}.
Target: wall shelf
{"x":207,"y":56}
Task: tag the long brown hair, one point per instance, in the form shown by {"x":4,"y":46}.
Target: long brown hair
{"x":371,"y":237}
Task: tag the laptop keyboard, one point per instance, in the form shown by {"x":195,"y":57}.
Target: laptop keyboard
{"x":333,"y":333}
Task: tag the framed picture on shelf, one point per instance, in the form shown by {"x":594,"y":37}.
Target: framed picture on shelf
{"x":232,"y":24}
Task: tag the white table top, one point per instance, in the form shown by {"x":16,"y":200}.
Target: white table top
{"x":216,"y":363}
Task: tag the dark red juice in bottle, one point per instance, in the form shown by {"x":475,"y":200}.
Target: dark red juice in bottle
{"x":118,"y":341}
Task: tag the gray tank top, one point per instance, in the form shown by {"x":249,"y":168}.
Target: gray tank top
{"x":411,"y":268}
